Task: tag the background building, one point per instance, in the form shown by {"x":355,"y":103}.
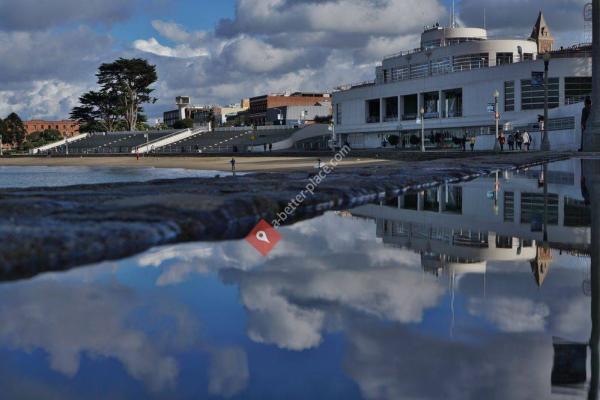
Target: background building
{"x":298,"y":115}
{"x":260,"y":104}
{"x":67,"y":128}
{"x":223,"y":113}
{"x":186,"y":110}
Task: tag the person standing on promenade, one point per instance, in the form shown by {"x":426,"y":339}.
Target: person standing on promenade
{"x":526,"y":140}
{"x":501,"y":140}
{"x":511,"y":142}
{"x":472,"y":143}
{"x":519,"y":140}
{"x":270,"y":147}
{"x":232,"y":162}
{"x":585,"y":116}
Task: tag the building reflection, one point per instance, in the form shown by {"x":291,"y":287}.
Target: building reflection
{"x":514,"y":216}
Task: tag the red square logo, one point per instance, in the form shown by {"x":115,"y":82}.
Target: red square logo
{"x":263,"y":237}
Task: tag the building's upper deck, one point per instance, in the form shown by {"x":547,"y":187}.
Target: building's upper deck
{"x":445,"y":50}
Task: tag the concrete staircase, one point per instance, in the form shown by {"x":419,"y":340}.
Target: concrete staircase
{"x":170,"y":139}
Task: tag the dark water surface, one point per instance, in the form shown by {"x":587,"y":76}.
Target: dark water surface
{"x":481,"y":290}
{"x":40,"y":176}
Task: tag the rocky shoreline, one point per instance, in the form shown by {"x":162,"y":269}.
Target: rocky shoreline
{"x":53,"y":229}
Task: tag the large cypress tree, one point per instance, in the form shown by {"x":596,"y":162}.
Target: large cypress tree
{"x":124,"y":88}
{"x":129,"y":81}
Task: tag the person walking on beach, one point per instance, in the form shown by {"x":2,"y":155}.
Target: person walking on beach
{"x":232,"y":162}
{"x":511,"y":142}
{"x":585,"y":116}
{"x":526,"y":140}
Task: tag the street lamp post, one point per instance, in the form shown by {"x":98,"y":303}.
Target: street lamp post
{"x":497,"y":120}
{"x":422,"y":110}
{"x":545,"y":140}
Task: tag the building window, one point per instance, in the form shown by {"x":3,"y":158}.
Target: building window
{"x":504,"y":58}
{"x":455,"y":200}
{"x":390,"y":109}
{"x":373,"y":114}
{"x":577,"y":213}
{"x":452,"y":105}
{"x":338,"y":114}
{"x":576,"y":89}
{"x":532,"y":97}
{"x":441,"y":66}
{"x":509,"y":96}
{"x":509,"y":206}
{"x":419,"y":70}
{"x":400,"y":73}
{"x":504,"y":242}
{"x":430,"y":44}
{"x":386,"y":75}
{"x":471,"y":61}
{"x":532,"y":208}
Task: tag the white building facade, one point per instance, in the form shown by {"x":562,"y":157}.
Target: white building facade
{"x":453,"y":78}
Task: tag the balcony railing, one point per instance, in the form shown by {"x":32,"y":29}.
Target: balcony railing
{"x":373,"y":120}
{"x":392,"y":118}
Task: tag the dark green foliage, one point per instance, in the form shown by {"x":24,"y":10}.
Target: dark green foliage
{"x":184,"y":124}
{"x":124,"y":87}
{"x":13,"y":131}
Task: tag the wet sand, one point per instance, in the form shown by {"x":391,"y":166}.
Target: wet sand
{"x":243,"y":164}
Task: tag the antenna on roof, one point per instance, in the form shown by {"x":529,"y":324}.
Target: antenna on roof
{"x":453,"y":23}
{"x":484,"y":19}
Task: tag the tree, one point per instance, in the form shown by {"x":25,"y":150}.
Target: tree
{"x":184,"y":124}
{"x":393,"y":140}
{"x":99,"y":111}
{"x":37,"y":139}
{"x":14,"y":130}
{"x":128,"y":80}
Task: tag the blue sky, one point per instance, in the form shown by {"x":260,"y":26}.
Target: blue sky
{"x":218,"y":52}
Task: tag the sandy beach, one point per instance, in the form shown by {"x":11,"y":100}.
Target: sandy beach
{"x":243,"y":164}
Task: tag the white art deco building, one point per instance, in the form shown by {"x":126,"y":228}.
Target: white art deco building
{"x":453,"y":77}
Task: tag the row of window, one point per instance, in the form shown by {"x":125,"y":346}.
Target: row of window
{"x":447,"y":65}
{"x":576,"y":213}
{"x":533,"y":96}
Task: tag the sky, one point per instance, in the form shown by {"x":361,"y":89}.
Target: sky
{"x":220,"y":51}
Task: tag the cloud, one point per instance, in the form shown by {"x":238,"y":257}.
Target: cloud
{"x":176,"y":32}
{"x":181,"y":51}
{"x":512,"y":314}
{"x":565,"y":17}
{"x":25,"y":15}
{"x":228,"y":374}
{"x":68,"y":321}
{"x":41,"y":98}
{"x":266,"y":46}
{"x":371,"y":17}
